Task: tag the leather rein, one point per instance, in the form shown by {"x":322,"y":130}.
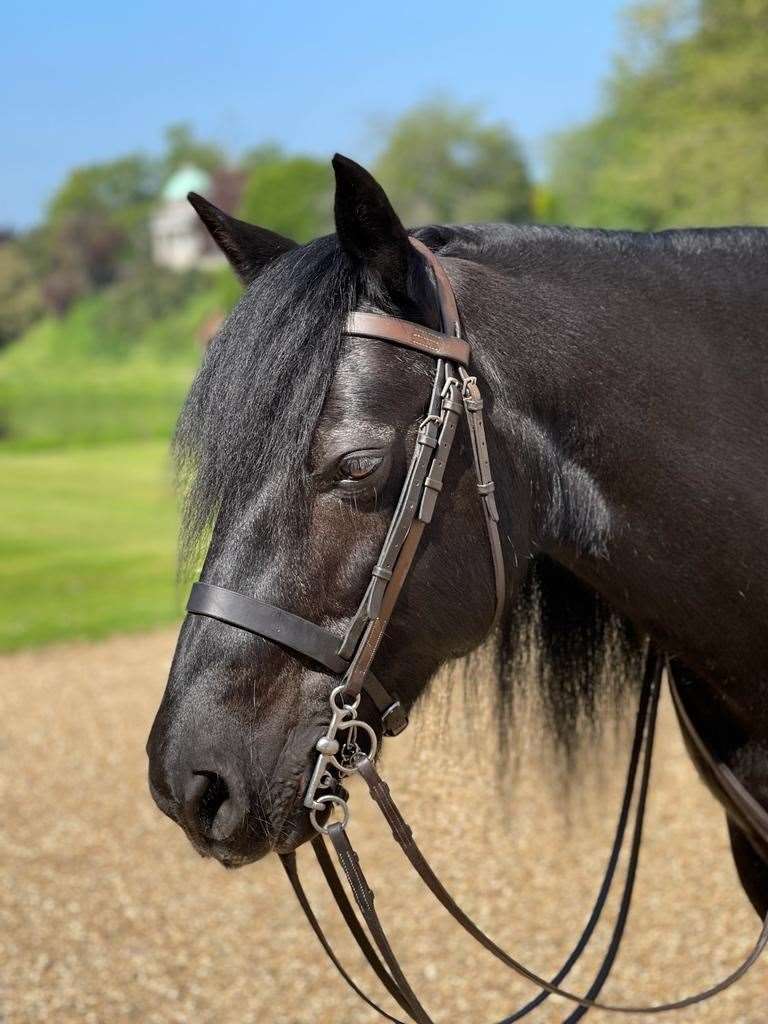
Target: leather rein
{"x":339,"y":754}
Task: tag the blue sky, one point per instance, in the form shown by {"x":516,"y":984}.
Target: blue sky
{"x":88,"y":81}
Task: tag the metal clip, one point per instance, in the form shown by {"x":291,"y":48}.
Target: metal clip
{"x":468,"y":382}
{"x":344,"y":720}
{"x":450,"y":382}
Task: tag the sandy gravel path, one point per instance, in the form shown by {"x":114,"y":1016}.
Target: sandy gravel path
{"x":107,"y":916}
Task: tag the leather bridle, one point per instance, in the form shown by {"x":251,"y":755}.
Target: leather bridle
{"x":350,"y":658}
{"x":453,"y":391}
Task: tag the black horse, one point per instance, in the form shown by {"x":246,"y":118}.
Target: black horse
{"x":626,"y":381}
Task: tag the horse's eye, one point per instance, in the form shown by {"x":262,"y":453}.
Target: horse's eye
{"x":358,"y":465}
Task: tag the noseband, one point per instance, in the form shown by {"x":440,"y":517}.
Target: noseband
{"x":350,"y":658}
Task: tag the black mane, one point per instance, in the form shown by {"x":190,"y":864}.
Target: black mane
{"x":500,"y":244}
{"x":252,"y":408}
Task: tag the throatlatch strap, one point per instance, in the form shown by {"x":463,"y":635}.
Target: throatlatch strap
{"x":473,"y":406}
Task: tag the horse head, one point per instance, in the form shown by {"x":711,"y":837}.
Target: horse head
{"x":295,"y":443}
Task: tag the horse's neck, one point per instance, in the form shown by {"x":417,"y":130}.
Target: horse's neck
{"x":619,"y":406}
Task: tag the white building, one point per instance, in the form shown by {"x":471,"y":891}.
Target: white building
{"x":179,"y":240}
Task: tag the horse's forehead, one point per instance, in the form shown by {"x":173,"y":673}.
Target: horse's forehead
{"x":374,"y":381}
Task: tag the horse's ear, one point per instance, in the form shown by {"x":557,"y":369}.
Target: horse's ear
{"x":367,"y":226}
{"x":248,"y":248}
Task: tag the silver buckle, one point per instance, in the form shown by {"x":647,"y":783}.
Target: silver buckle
{"x":394,"y":719}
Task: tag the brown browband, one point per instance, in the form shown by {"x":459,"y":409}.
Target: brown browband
{"x":403,"y":332}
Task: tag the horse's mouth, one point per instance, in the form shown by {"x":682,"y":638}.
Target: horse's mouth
{"x":284,"y":830}
{"x":239,"y":820}
{"x":293,"y":827}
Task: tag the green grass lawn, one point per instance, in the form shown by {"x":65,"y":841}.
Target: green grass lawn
{"x":87,"y":542}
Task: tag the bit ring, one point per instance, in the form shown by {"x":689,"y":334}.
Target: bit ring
{"x":372,"y":737}
{"x":328,"y":798}
{"x":338,"y":691}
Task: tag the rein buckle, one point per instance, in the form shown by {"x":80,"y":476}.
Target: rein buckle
{"x":394,"y":720}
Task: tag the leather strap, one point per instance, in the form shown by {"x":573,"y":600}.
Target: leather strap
{"x":750,"y":815}
{"x":350,"y":918}
{"x":402,"y":833}
{"x":642,"y":740}
{"x":266,"y":620}
{"x":642,"y":734}
{"x":285,"y":628}
{"x":415,"y":514}
{"x":288,"y":861}
{"x":368,"y":627}
{"x":374,"y":633}
{"x":404,"y":837}
{"x":410,"y":335}
{"x":350,"y":863}
{"x":402,"y":518}
{"x":473,"y":406}
{"x":449,"y":310}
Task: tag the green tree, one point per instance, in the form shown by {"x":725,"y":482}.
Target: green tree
{"x":118,"y":191}
{"x":257,"y":156}
{"x":442,"y":163}
{"x":182,"y":147}
{"x":20,"y":299}
{"x":290,"y":195}
{"x":97,"y":222}
{"x":681,"y":139}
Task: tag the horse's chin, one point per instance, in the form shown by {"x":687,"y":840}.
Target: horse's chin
{"x":227,"y":858}
{"x":298,"y":832}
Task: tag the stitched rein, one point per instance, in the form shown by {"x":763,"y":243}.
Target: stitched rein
{"x":339,"y":754}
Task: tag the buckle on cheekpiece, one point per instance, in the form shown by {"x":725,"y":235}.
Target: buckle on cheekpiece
{"x":394,"y":719}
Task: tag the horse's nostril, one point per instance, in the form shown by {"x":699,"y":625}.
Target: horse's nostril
{"x":208,"y":809}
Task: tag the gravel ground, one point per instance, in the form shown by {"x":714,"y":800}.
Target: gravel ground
{"x":107,"y":915}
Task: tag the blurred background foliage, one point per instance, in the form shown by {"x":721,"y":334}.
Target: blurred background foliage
{"x":107,"y":305}
{"x":682,"y":136}
{"x":443,"y":164}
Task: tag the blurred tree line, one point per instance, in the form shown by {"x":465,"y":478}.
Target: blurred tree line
{"x":441,"y":162}
{"x":680,"y":139}
{"x":95,"y":234}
